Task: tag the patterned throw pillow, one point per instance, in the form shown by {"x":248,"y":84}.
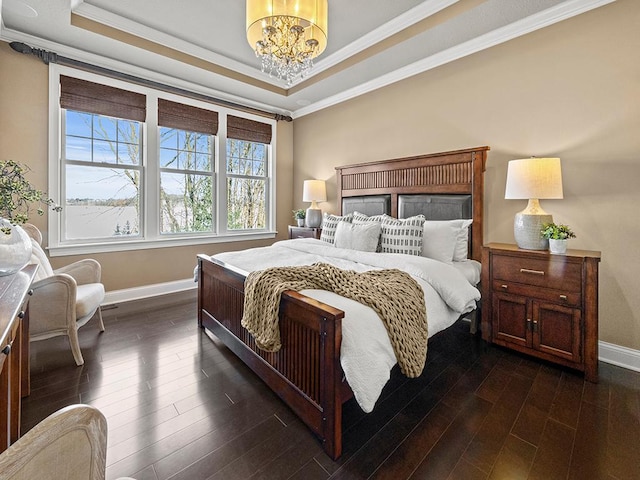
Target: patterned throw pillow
{"x":403,"y":235}
{"x":329,"y":225}
{"x":360,"y":218}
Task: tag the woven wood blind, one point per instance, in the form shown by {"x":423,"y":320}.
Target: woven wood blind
{"x":186,"y":117}
{"x":85,"y":96}
{"x":249,"y":130}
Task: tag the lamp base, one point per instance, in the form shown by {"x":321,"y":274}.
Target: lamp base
{"x":526,"y":230}
{"x":313,"y":218}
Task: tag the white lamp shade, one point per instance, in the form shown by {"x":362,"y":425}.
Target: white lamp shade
{"x":314,"y":191}
{"x":534,"y":178}
{"x":312,"y":15}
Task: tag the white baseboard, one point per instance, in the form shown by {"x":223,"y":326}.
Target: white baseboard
{"x":147,"y":291}
{"x":608,"y":352}
{"x":620,"y":356}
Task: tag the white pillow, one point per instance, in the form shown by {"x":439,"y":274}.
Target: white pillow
{"x":446,"y":240}
{"x":360,"y":218}
{"x":403,"y":235}
{"x":461,"y":252}
{"x":329,"y":224}
{"x":362,"y":237}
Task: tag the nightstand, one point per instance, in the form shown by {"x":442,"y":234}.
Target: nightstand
{"x":304,"y":232}
{"x":543,"y":305}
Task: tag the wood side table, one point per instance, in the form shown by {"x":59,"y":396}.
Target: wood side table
{"x":542,"y":304}
{"x":304,"y":232}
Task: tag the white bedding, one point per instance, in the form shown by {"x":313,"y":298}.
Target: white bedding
{"x":366,"y":354}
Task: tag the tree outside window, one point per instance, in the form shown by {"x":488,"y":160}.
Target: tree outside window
{"x":246,"y":184}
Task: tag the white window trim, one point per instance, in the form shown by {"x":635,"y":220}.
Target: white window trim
{"x":152,"y":237}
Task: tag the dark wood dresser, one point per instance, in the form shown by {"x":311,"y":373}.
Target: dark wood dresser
{"x":542,"y":304}
{"x":14,"y":346}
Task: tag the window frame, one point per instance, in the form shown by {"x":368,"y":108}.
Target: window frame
{"x":80,"y":163}
{"x":264,"y":178}
{"x":150,"y":235}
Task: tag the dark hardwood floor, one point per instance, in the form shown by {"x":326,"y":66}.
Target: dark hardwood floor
{"x":180,"y":405}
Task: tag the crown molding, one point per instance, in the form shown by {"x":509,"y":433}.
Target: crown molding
{"x":112,"y":20}
{"x":516,"y":29}
{"x":399,"y":23}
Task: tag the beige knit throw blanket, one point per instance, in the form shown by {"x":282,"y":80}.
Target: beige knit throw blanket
{"x":395,"y":296}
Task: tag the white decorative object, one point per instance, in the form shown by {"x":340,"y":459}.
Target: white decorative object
{"x":300,"y":222}
{"x":287,"y":36}
{"x":314,"y":191}
{"x":533,"y":179}
{"x":558,"y":245}
{"x":15,"y":248}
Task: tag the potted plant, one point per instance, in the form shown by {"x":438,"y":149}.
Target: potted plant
{"x":17,"y":196}
{"x":557,"y":234}
{"x":299,"y":216}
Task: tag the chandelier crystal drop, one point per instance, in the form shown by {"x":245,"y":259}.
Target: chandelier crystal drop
{"x":287,"y":35}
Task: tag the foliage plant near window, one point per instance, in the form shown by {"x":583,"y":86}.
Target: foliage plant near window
{"x":17,"y":195}
{"x":555,"y":231}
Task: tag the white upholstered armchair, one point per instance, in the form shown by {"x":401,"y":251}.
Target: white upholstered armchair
{"x":70,"y":444}
{"x":64,"y":299}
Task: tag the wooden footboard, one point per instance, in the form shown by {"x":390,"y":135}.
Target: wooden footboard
{"x":305,"y":373}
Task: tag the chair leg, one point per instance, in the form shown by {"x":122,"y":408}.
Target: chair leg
{"x":100,"y":322}
{"x":75,"y":346}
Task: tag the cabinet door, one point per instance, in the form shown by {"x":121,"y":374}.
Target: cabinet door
{"x":556,"y":331}
{"x":510,"y":320}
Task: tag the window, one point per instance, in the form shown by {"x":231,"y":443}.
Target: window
{"x":186,"y":167}
{"x":139,"y":168}
{"x":102,"y":172}
{"x":247,"y":173}
{"x":186,"y":181}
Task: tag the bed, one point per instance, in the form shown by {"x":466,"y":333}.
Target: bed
{"x":306,"y":372}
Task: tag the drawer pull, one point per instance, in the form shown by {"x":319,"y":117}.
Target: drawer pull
{"x":533,"y":272}
{"x":21,"y":315}
{"x":563,"y":297}
{"x":535,"y":325}
{"x":528,"y":323}
{"x":504,"y":287}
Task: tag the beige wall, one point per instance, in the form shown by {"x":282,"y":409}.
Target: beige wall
{"x":570,"y":90}
{"x":23,"y":137}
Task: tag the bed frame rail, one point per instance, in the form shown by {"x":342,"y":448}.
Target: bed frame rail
{"x":305,"y":372}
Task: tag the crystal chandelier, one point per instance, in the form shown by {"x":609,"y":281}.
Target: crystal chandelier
{"x":287,"y":35}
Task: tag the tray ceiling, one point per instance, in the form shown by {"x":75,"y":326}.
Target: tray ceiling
{"x":202,"y":43}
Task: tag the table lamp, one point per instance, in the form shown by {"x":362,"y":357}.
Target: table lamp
{"x":314,"y":191}
{"x":533,"y":179}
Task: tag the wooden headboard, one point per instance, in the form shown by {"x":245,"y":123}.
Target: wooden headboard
{"x":460,"y":172}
